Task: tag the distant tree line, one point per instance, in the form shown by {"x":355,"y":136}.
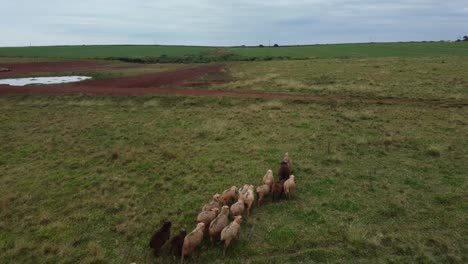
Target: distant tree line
{"x":465,"y":38}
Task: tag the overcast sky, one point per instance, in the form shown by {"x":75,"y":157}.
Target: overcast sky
{"x":226,"y":23}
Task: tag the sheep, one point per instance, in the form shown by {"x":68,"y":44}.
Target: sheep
{"x":243,"y":189}
{"x":177,"y":243}
{"x":289,"y":186}
{"x":228,"y":195}
{"x":239,"y":207}
{"x":262,"y":192}
{"x":288,"y":160}
{"x":207,"y":216}
{"x":284,"y":171}
{"x":268,"y":178}
{"x":277,"y":189}
{"x":213,"y":204}
{"x":249,"y":198}
{"x":230,"y":232}
{"x":160,"y":237}
{"x":217,"y":225}
{"x":191,"y":241}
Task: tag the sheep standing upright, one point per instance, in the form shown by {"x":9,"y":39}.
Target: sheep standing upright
{"x":191,"y":241}
{"x":230,"y":232}
{"x":249,"y":198}
{"x":207,"y":216}
{"x":217,"y":225}
{"x":228,"y":195}
{"x":239,"y":207}
{"x":213,"y":204}
{"x":268,"y":178}
{"x":284,"y":171}
{"x":289,"y":186}
{"x":160,"y":237}
{"x":262,"y":192}
{"x":277,"y":189}
{"x":288,"y":160}
{"x":177,"y":243}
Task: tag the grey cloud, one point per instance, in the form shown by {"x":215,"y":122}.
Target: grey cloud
{"x":209,"y":22}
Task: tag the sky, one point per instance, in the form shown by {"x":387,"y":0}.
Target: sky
{"x":228,"y":23}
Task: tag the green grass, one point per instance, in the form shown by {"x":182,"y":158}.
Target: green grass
{"x":88,"y":179}
{"x":100,"y":52}
{"x":442,"y":78}
{"x":406,"y":49}
{"x":150,"y":53}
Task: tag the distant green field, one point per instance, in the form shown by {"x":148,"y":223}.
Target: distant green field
{"x":99,"y":52}
{"x":420,"y":49}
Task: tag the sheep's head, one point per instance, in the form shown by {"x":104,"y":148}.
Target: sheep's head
{"x":200,"y":226}
{"x":291,"y":177}
{"x":225,"y":210}
{"x":269,"y":172}
{"x":286,"y":156}
{"x":238,"y":219}
{"x":167,"y":225}
{"x":216,"y":210}
{"x":251,"y":187}
{"x":234,"y":188}
{"x":216,"y":197}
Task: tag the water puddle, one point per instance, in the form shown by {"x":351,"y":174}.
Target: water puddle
{"x":43,"y":80}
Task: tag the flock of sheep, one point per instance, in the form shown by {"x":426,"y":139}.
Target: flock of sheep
{"x":216,"y":218}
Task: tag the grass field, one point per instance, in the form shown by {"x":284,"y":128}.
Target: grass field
{"x":88,"y":179}
{"x":418,"y":78}
{"x":417,"y":49}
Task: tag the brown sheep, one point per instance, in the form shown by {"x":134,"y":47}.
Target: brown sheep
{"x":249,"y":198}
{"x":289,"y":186}
{"x":288,"y":160}
{"x":217,"y":225}
{"x":213,"y":204}
{"x":207,"y":216}
{"x":228,"y":195}
{"x":239,"y":207}
{"x":284,"y":171}
{"x":192,"y":240}
{"x":177,"y":243}
{"x":230,"y":232}
{"x":277,"y":189}
{"x":160,"y":237}
{"x":262,"y":192}
{"x":268,"y":178}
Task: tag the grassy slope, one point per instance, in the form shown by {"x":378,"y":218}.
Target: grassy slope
{"x":88,"y":179}
{"x":316,"y":51}
{"x":427,"y":78}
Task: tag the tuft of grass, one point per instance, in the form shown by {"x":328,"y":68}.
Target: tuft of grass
{"x":434,"y":151}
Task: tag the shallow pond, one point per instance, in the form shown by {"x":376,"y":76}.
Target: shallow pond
{"x":43,"y":80}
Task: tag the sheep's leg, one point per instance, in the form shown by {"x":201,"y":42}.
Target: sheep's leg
{"x":226,"y":245}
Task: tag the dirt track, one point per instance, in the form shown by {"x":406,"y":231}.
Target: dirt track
{"x":164,"y":84}
{"x":18,"y":69}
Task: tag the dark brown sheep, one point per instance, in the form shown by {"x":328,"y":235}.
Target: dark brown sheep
{"x":160,"y":237}
{"x":277,"y":189}
{"x":284,"y":171}
{"x":177,"y":242}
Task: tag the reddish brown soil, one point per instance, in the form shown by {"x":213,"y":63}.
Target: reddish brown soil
{"x":164,"y":83}
{"x":18,"y":69}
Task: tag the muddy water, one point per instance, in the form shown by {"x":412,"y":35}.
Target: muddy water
{"x":43,"y":80}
